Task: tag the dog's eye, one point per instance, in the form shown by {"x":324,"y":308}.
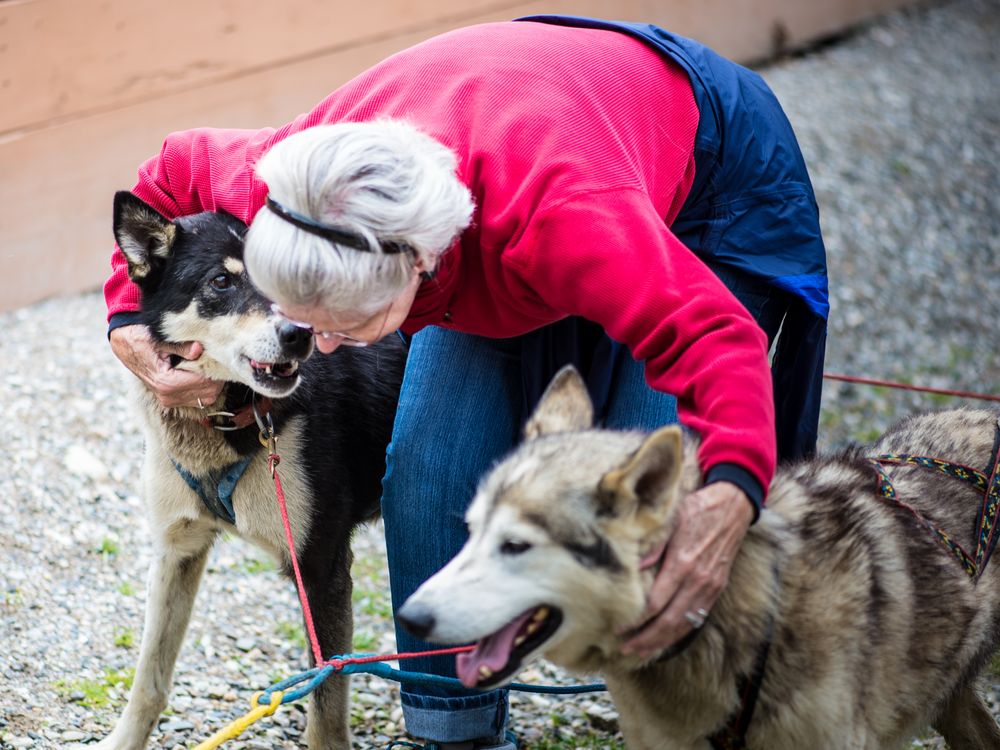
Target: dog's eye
{"x":514,"y":547}
{"x":221,"y":282}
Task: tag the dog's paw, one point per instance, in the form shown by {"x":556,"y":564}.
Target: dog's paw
{"x":120,"y":740}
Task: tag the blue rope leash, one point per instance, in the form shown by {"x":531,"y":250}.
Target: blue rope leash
{"x":381,"y":669}
{"x":313,"y":678}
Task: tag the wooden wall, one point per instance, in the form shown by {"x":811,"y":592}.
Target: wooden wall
{"x":88,"y":89}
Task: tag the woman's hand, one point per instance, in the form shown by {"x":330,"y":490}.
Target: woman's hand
{"x":150,"y":362}
{"x":711,"y":524}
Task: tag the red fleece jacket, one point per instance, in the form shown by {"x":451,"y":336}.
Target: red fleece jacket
{"x":577,"y":146}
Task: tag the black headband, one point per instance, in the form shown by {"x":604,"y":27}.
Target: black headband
{"x":335,"y":234}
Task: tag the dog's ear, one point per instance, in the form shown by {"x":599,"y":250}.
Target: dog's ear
{"x":565,"y":406}
{"x":145,"y":237}
{"x":647,"y":482}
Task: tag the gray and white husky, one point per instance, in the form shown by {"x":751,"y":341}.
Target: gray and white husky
{"x":206,"y":471}
{"x":848,"y":621}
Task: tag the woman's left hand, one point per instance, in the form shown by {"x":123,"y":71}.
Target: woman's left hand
{"x":711,"y":524}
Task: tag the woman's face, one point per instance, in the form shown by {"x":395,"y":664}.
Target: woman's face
{"x":333,"y":330}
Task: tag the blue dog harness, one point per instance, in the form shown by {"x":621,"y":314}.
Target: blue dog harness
{"x":751,"y":208}
{"x":217,"y":487}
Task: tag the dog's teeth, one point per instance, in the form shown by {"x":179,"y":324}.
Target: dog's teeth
{"x":485,"y":672}
{"x":520,"y":639}
{"x":541,"y":614}
{"x":532,"y":627}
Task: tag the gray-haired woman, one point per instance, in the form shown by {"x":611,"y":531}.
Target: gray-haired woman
{"x":487,"y":191}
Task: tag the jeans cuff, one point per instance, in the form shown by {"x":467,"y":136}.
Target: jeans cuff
{"x":455,"y":719}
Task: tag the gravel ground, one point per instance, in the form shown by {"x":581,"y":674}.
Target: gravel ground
{"x":900,"y":124}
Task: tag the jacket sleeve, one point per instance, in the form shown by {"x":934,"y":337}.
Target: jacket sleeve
{"x":204,"y":169}
{"x":610,"y":258}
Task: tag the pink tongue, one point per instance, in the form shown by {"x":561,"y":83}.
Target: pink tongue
{"x":493,"y":651}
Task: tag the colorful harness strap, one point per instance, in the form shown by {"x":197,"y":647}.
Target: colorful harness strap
{"x":986,"y":523}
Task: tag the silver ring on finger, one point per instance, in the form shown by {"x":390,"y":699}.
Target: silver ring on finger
{"x":696,"y":618}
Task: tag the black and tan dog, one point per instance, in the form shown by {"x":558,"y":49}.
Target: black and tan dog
{"x":851,"y":620}
{"x":206,"y":471}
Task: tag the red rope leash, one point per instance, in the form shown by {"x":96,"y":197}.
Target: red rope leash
{"x":272,"y":461}
{"x":908,"y":387}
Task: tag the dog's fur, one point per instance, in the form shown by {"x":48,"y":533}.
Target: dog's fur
{"x":877,"y":630}
{"x":333,"y":419}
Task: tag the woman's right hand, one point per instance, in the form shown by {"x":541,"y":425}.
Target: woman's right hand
{"x":150,"y":362}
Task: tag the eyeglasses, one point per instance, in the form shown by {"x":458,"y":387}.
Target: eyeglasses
{"x":341,"y":338}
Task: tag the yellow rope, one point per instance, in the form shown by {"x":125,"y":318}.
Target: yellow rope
{"x":236,"y":728}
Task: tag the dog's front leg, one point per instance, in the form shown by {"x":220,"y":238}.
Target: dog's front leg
{"x":327,"y":577}
{"x":173,"y":583}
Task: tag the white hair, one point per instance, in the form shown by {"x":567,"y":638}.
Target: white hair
{"x":383,"y":180}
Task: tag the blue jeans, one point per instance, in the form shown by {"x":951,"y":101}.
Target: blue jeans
{"x":460,"y":409}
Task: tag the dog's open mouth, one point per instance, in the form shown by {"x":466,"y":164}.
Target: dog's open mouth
{"x":496,"y":657}
{"x":279,"y":374}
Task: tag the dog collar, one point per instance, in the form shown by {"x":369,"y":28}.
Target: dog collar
{"x":230,"y":421}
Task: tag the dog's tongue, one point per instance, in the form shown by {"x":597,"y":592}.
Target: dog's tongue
{"x":492,"y":652}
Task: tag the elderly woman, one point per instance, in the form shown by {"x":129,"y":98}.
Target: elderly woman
{"x":515,"y":196}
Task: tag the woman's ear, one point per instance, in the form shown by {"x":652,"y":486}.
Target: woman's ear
{"x":425,"y":273}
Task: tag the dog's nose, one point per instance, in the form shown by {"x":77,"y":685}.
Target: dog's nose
{"x":294,"y":338}
{"x":418,"y":621}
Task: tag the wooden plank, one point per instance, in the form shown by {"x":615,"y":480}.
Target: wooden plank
{"x":57,"y":184}
{"x":134,"y":50}
{"x":71,"y":57}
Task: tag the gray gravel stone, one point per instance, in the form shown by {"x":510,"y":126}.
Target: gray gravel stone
{"x":900,"y":124}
